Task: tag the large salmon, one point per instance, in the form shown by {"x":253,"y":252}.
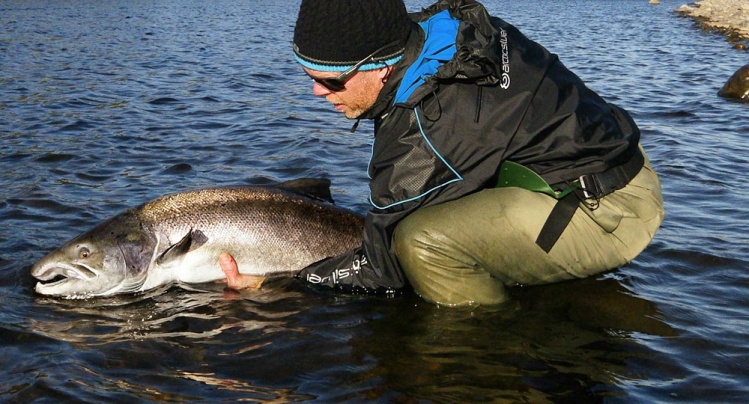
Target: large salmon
{"x":270,"y":231}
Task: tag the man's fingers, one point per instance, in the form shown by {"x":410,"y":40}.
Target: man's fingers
{"x":234,"y":279}
{"x":229,"y":266}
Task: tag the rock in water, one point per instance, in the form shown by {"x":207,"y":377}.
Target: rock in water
{"x":737,"y":87}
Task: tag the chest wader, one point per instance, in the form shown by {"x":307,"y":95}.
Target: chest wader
{"x":568,"y":194}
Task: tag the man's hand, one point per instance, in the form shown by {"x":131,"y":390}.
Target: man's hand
{"x":234,"y":279}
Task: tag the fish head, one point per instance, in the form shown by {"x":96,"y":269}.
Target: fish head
{"x":111,"y":258}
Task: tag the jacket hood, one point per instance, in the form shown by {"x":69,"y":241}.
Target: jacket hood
{"x":474,"y":55}
{"x":478,"y":43}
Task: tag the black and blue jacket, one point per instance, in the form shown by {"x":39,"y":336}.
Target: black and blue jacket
{"x":470,"y":92}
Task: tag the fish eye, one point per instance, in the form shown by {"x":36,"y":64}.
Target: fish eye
{"x":83,"y":252}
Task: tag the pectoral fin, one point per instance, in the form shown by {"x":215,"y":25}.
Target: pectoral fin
{"x":192,"y":240}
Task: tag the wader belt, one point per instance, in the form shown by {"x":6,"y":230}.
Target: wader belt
{"x":568,"y":194}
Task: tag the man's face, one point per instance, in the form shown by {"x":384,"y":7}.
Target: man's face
{"x":360,"y":93}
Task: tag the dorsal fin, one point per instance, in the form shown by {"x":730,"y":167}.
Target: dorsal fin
{"x":315,"y":188}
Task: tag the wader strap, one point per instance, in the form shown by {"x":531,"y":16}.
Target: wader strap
{"x":601,"y":184}
{"x":568,"y":195}
{"x":558,"y":219}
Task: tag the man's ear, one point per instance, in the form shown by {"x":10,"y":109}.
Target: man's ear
{"x":384,"y":73}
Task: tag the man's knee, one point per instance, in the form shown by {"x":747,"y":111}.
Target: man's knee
{"x":438,"y":266}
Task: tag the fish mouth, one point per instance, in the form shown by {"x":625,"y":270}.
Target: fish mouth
{"x":57,"y":274}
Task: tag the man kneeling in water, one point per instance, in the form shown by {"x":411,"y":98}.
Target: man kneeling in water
{"x":493,"y":165}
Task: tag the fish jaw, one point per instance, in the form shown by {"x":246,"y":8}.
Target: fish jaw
{"x":60,"y":278}
{"x":76,"y":281}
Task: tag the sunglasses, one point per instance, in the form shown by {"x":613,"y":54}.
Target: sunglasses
{"x":338,"y":83}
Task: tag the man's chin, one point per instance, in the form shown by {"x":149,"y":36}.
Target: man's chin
{"x":351,"y":114}
{"x":348,"y":112}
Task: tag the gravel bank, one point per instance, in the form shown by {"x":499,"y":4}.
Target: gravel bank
{"x":730,"y":17}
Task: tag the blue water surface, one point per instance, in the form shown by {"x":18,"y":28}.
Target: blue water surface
{"x":107,"y":104}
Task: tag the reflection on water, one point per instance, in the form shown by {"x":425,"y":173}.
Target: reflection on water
{"x":198,"y":314}
{"x":556,"y":342}
{"x":248,"y":391}
{"x":107,"y":106}
{"x":598,"y":304}
{"x":559,"y":342}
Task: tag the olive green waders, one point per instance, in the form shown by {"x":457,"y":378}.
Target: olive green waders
{"x":468,"y":250}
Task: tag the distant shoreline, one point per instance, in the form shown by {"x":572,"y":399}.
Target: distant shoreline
{"x":728,"y":17}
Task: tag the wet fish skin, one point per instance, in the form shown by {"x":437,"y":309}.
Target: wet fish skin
{"x":270,"y":231}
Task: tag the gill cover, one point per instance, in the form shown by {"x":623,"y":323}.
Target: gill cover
{"x":137,"y":249}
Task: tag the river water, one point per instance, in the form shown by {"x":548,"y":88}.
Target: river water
{"x":107,"y":104}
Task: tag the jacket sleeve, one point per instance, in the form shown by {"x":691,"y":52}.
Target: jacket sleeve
{"x":371,"y":268}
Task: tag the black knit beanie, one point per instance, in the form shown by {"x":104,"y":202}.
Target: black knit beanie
{"x":333,"y":35}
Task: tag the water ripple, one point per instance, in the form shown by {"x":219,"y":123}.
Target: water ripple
{"x":107,"y":106}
